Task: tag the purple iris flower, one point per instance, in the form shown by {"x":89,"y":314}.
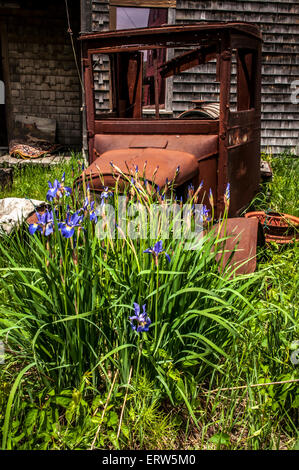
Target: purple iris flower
{"x":64,"y":189}
{"x":44,"y":224}
{"x":227,"y":194}
{"x":53,"y":188}
{"x":203,"y":213}
{"x":93,"y":215}
{"x":190,"y":190}
{"x":156,"y":251}
{"x":106,"y":193}
{"x":90,"y":207}
{"x":67,"y":227}
{"x":211,"y":198}
{"x":86,"y":204}
{"x":57,"y":189}
{"x":142,"y":319}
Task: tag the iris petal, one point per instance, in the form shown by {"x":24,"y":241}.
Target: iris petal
{"x":67,"y":231}
{"x":49,"y":229}
{"x":33,"y":228}
{"x":168,"y":257}
{"x":67,"y":190}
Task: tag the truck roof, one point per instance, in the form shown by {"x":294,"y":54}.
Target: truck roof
{"x":168,"y":31}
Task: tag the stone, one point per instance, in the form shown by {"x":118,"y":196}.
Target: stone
{"x":14,"y":211}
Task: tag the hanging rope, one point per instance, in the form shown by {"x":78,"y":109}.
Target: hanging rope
{"x":79,"y":73}
{"x":73,"y":46}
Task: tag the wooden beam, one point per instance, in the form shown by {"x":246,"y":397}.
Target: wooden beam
{"x":112,"y":18}
{"x":198,"y":56}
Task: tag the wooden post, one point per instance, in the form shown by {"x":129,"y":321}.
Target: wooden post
{"x":225,"y":74}
{"x":156,"y":83}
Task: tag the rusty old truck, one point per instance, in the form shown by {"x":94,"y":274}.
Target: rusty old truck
{"x":143,"y":104}
{"x":130,"y":79}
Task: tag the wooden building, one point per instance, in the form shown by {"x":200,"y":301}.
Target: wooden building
{"x":41,"y":76}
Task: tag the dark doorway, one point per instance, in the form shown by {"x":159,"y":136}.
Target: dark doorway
{"x":3,"y":128}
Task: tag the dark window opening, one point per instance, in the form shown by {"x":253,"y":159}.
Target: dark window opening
{"x":131,"y":17}
{"x":246,"y":66}
{"x":126,"y":83}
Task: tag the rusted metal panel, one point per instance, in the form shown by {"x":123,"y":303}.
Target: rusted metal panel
{"x":243,"y":118}
{"x":243,"y":175}
{"x":241,"y":135}
{"x":144,"y":141}
{"x":166,"y":126}
{"x":239,"y":246}
{"x":201,"y":146}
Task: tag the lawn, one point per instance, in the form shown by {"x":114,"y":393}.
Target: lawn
{"x":211,"y":365}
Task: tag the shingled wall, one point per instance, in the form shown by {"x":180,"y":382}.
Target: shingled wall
{"x":43,"y":77}
{"x":279,"y":25}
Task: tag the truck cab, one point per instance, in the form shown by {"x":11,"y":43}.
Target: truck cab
{"x":128,"y":78}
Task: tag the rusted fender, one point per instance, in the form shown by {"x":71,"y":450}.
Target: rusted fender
{"x":240,"y":247}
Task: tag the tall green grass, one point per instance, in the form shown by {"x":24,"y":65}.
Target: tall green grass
{"x":65,"y":314}
{"x":67,"y":307}
{"x":30,"y":179}
{"x":282,"y":193}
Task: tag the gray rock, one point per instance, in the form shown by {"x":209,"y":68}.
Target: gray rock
{"x":13,"y":212}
